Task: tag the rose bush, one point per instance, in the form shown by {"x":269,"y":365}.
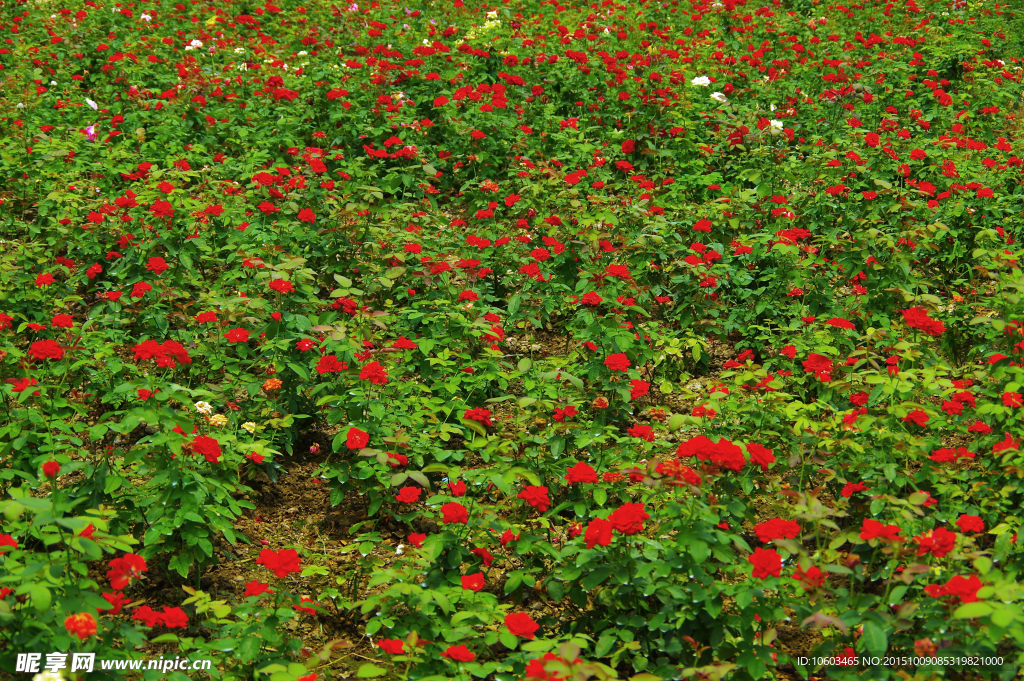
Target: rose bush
{"x":676,"y":338}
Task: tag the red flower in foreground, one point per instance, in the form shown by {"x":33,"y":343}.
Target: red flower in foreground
{"x":617,"y":362}
{"x":257,"y":588}
{"x":473,"y":582}
{"x":148,"y":616}
{"x":536,"y":497}
{"x":581,"y":472}
{"x":599,"y":533}
{"x":814,"y":578}
{"x":46,"y":349}
{"x":116,"y":600}
{"x":760,"y":456}
{"x":970,"y":523}
{"x":959,"y":588}
{"x":374,"y":373}
{"x":629,"y":518}
{"x":454,"y":512}
{"x":520,"y":624}
{"x":50,"y":469}
{"x":281,"y":563}
{"x":851,"y":488}
{"x":82,"y":625}
{"x":123,"y":569}
{"x":175,"y":618}
{"x":237,"y":336}
{"x":479,"y":415}
{"x":767,"y":563}
{"x":356,"y":439}
{"x":459,"y":653}
{"x":937,"y":542}
{"x":408,"y":495}
{"x":872,"y":529}
{"x":391,"y":646}
{"x":208,"y":447}
{"x":777,"y":528}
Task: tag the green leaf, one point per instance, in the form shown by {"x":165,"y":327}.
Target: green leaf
{"x":530,"y":476}
{"x":475,"y":426}
{"x":699,"y":550}
{"x":596,"y":577}
{"x":508,"y":640}
{"x":369,"y":671}
{"x":971,"y":611}
{"x":675,"y":422}
{"x":301,"y":371}
{"x":41,"y":597}
{"x":874,"y":639}
{"x":556,"y":590}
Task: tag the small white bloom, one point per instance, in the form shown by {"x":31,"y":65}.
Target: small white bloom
{"x":303,"y":53}
{"x":196,"y":43}
{"x":399,"y":549}
{"x":239,"y":50}
{"x":702,"y":81}
{"x":719,"y":97}
{"x":249,"y":427}
{"x":146,"y":17}
{"x":243,"y":67}
{"x":53,"y":82}
{"x":204,"y":408}
{"x":189,"y":48}
{"x":91,"y":104}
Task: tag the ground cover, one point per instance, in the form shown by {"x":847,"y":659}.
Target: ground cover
{"x":525,"y":340}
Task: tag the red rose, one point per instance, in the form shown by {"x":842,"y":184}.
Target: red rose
{"x":473,"y":582}
{"x":581,"y":472}
{"x":123,"y":569}
{"x":629,"y":518}
{"x":46,"y":349}
{"x":454,"y":513}
{"x":408,"y":495}
{"x":208,"y":447}
{"x":536,"y":497}
{"x":617,"y":362}
{"x":599,"y":533}
{"x":520,"y":624}
{"x":459,"y":653}
{"x":767,"y":563}
{"x":970,"y":523}
{"x":257,"y":588}
{"x":391,"y":646}
{"x":356,"y":439}
{"x":281,"y":563}
{"x":83,"y":625}
{"x":777,"y":528}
